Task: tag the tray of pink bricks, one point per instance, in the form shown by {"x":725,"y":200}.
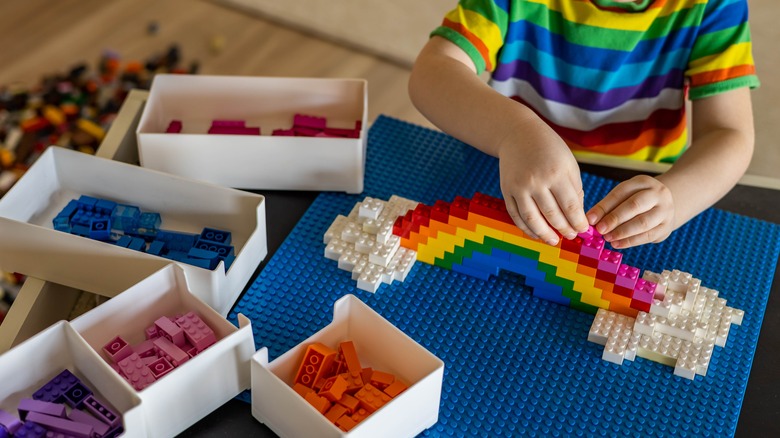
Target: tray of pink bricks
{"x":303,"y":126}
{"x":64,"y":407}
{"x":337,"y":385}
{"x":170,"y":342}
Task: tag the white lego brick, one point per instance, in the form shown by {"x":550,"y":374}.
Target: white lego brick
{"x":364,"y":243}
{"x":405,"y":264}
{"x":370,"y":208}
{"x":335,"y":248}
{"x":351,"y":232}
{"x":644,"y":324}
{"x":370,"y":279}
{"x":736,"y":316}
{"x":349,"y":259}
{"x":685,"y":367}
{"x":334,"y":230}
{"x":403,"y":204}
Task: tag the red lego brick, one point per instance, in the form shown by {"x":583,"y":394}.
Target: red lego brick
{"x":639,"y":305}
{"x":605,"y":276}
{"x":316,"y":360}
{"x":460,"y":208}
{"x":588,"y":261}
{"x":573,"y":245}
{"x":623,"y":291}
{"x":440,"y":211}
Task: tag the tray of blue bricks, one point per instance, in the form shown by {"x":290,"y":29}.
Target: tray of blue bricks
{"x":129,"y":227}
{"x":516,"y":364}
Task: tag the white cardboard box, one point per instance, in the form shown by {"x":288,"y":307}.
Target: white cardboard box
{"x":31,"y":364}
{"x":250,"y":161}
{"x":379,"y":345}
{"x":195,"y":388}
{"x":30,"y":245}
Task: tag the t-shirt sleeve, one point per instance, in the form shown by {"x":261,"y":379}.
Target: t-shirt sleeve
{"x":478,"y":27}
{"x":721,"y":58}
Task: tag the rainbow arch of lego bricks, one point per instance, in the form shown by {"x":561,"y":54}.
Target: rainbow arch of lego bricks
{"x":516,"y":364}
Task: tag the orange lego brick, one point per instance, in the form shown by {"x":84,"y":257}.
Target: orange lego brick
{"x":301,"y":389}
{"x":381,"y":379}
{"x":345,"y":423}
{"x":396,"y":388}
{"x":354,"y":382}
{"x":316,"y":360}
{"x":333,"y":388}
{"x":349,"y":402}
{"x":371,"y":398}
{"x":335,"y":412}
{"x":570,"y":256}
{"x":360,"y":415}
{"x":366,"y":374}
{"x":321,"y":404}
{"x":348,"y":352}
{"x":585,"y":270}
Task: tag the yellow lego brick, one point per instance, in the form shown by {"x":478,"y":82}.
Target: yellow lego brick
{"x":489,"y":232}
{"x":54,"y":115}
{"x":91,"y":129}
{"x":427,"y":254}
{"x":470,"y":235}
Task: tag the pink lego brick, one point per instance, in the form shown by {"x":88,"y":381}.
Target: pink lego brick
{"x":343,"y":132}
{"x":313,"y":122}
{"x":644,"y":291}
{"x":9,"y":422}
{"x":117,"y":349}
{"x":27,"y":406}
{"x":137,"y":374}
{"x":627,"y":276}
{"x":160,"y":367}
{"x":284,"y":132}
{"x":102,"y":412}
{"x":174,"y":127}
{"x":170,"y":331}
{"x":592,"y":247}
{"x":197,"y":332}
{"x":301,"y":131}
{"x":151,"y":332}
{"x":149,"y":359}
{"x":62,"y":425}
{"x":170,"y":352}
{"x":234,"y":131}
{"x":83,"y":417}
{"x":610,"y":261}
{"x":145,"y":348}
{"x":228,"y":123}
{"x":590,"y":233}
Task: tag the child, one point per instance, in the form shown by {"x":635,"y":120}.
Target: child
{"x":596,"y":77}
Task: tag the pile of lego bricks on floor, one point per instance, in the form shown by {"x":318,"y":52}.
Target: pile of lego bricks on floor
{"x":72,"y":109}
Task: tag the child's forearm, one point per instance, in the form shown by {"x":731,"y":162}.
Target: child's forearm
{"x":445,"y":88}
{"x":719,"y":154}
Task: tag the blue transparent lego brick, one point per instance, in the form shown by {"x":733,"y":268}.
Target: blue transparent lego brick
{"x":515,"y":364}
{"x":125,"y":217}
{"x":149,"y":221}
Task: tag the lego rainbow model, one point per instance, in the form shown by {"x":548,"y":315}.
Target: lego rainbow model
{"x":668,"y":318}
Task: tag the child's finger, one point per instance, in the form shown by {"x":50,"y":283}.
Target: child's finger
{"x":511,"y":208}
{"x":602,"y":215}
{"x":637,"y":226}
{"x":529,"y":214}
{"x":569,"y":200}
{"x":551,"y":211}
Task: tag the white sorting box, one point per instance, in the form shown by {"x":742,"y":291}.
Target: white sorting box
{"x":251,"y":161}
{"x":379,"y":345}
{"x":195,"y":388}
{"x":31,"y":364}
{"x":30,"y":245}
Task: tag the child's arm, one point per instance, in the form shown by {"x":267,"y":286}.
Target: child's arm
{"x":540,"y":179}
{"x":645,"y":209}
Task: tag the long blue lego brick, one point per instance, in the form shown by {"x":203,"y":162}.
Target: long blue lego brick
{"x":517,"y":364}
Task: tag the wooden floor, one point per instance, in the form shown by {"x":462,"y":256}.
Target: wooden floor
{"x":40,"y":36}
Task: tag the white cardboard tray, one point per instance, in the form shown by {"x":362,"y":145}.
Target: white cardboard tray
{"x":248,"y":161}
{"x":30,"y":245}
{"x":379,"y":345}
{"x":31,"y":364}
{"x":195,"y":388}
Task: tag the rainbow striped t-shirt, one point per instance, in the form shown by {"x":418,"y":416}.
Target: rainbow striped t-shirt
{"x":609,"y":77}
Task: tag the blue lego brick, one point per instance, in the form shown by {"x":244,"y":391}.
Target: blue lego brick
{"x":518,"y":365}
{"x":229,"y":261}
{"x":220,"y":249}
{"x":176,"y":241}
{"x":156,"y":248}
{"x":80,"y":230}
{"x":87,"y":203}
{"x":149,"y":221}
{"x":216,"y":236}
{"x":61,"y":224}
{"x":124,"y":241}
{"x":105,"y":206}
{"x":467,"y":269}
{"x":100,"y":229}
{"x":69,"y":210}
{"x":481,"y":262}
{"x":125,"y":217}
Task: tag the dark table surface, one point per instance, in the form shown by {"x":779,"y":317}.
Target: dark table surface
{"x":761,"y":405}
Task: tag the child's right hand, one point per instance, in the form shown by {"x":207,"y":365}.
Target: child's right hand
{"x":541,"y":184}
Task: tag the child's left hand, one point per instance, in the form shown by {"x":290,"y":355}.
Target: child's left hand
{"x":637,"y":211}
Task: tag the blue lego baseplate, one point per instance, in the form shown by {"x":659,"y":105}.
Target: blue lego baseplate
{"x":516,"y":364}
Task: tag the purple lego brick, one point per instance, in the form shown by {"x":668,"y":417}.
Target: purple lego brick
{"x":115,"y":432}
{"x":592,"y":247}
{"x":82,"y":417}
{"x":610,"y":261}
{"x":136,"y":372}
{"x":9,"y":421}
{"x":174,"y":127}
{"x":197,"y":332}
{"x":170,"y":352}
{"x":160,"y":367}
{"x":145,"y":349}
{"x":62,"y":425}
{"x":117,"y":349}
{"x":76,"y":394}
{"x":102,"y":412}
{"x":169,"y":330}
{"x":627,"y":276}
{"x":644,"y":291}
{"x":30,"y":430}
{"x":28,"y":406}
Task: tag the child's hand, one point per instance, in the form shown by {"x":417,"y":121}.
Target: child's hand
{"x":636,"y":211}
{"x":541,"y":184}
